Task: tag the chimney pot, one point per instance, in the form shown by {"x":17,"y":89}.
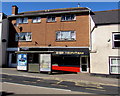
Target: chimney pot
{"x":14,"y":10}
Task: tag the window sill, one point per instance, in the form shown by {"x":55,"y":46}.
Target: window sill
{"x":116,"y":48}
{"x":68,"y":20}
{"x":65,"y":40}
{"x":36,"y":22}
{"x":23,"y":41}
{"x":51,"y":21}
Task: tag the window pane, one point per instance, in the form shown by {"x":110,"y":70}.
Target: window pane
{"x":33,"y":58}
{"x":18,"y":20}
{"x":115,"y":69}
{"x":68,"y":17}
{"x":72,"y":17}
{"x":38,"y":19}
{"x":117,"y":37}
{"x":65,"y":35}
{"x":58,"y":35}
{"x":116,"y":43}
{"x":17,"y":37}
{"x":84,"y":60}
{"x":25,"y":20}
{"x":51,"y":19}
{"x":63,"y":17}
{"x":115,"y":61}
{"x":34,"y":20}
{"x":73,"y":35}
{"x":14,"y":58}
{"x":26,"y":36}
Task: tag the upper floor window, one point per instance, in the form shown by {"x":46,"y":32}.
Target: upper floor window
{"x":65,"y":35}
{"x":24,"y":36}
{"x":22,"y":20}
{"x":69,"y":17}
{"x":116,"y":40}
{"x":36,"y":19}
{"x":51,"y":19}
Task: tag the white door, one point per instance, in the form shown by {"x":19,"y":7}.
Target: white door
{"x":84,"y":63}
{"x":12,"y":60}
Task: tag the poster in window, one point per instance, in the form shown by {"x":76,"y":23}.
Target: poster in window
{"x":45,"y":62}
{"x":22,"y":62}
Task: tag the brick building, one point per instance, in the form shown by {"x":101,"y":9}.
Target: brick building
{"x":62,"y":34}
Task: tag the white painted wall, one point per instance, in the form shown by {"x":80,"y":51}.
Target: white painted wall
{"x":102,"y":49}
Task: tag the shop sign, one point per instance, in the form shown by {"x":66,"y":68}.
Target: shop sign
{"x":45,"y":62}
{"x":22,"y":62}
{"x":62,"y":52}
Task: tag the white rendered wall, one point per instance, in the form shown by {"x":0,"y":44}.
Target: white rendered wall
{"x":102,"y":48}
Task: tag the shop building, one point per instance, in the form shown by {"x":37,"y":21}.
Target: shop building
{"x":62,"y":36}
{"x":105,"y":43}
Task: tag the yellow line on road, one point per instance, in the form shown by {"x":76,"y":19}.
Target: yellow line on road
{"x":95,"y":89}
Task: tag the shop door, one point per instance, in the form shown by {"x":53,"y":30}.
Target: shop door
{"x":84,"y":63}
{"x":12,"y":60}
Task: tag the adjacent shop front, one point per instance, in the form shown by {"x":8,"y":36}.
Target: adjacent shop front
{"x":51,"y":59}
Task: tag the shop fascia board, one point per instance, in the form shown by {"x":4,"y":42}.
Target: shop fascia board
{"x":18,"y":52}
{"x":36,"y":14}
{"x":53,"y":47}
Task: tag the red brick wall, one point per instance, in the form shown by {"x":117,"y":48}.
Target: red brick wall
{"x":45,"y":33}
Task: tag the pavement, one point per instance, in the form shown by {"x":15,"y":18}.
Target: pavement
{"x":82,"y":79}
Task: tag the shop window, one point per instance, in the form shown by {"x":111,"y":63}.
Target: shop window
{"x":69,"y":17}
{"x":65,"y":35}
{"x":21,"y":20}
{"x":116,"y":40}
{"x":36,"y":19}
{"x":51,"y":19}
{"x":115,"y":65}
{"x":66,"y":61}
{"x":14,"y":58}
{"x":24,"y":36}
{"x":33,"y":58}
{"x":84,"y":60}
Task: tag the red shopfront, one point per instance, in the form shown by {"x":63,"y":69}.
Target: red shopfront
{"x":73,"y":60}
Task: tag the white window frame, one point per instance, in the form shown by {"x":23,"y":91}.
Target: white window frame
{"x":36,"y":20}
{"x":70,"y":15}
{"x":51,"y":18}
{"x":22,"y":20}
{"x":113,"y":36}
{"x":115,"y":65}
{"x":65,"y":39}
{"x":17,"y":37}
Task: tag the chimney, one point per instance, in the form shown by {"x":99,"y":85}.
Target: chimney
{"x":14,"y":10}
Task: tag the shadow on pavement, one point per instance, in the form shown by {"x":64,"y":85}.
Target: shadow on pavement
{"x":3,"y":93}
{"x":59,"y":72}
